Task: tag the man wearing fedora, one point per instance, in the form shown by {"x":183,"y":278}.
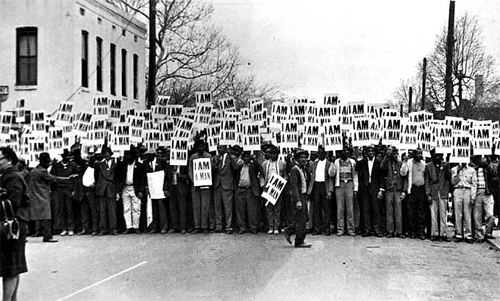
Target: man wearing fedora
{"x":39,"y":193}
{"x":106,"y":192}
{"x":64,"y":192}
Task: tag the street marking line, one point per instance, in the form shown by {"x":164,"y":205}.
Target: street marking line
{"x":101,"y":281}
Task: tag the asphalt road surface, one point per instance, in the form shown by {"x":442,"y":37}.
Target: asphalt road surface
{"x":257,"y":267}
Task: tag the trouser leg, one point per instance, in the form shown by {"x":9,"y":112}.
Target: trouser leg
{"x":300,"y":222}
{"x":240,"y":204}
{"x":94,"y":210}
{"x":47,"y":229}
{"x":103,"y":209}
{"x":458,"y":207}
{"x":389,"y":205}
{"x":398,"y":214}
{"x":205,"y":207}
{"x":421,"y":209}
{"x":111,"y":213}
{"x":127,"y":207}
{"x":196,"y":208}
{"x":488,"y":203}
{"x":478,"y":214}
{"x":85,"y":214}
{"x":435,"y":207}
{"x":162,"y":208}
{"x":443,"y":227}
{"x":218,"y":208}
{"x":340,"y":193}
{"x":252,"y":210}
{"x":173,"y":204}
{"x":349,"y":206}
{"x":365,"y":198}
{"x":227,"y":199}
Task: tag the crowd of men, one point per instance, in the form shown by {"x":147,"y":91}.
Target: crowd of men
{"x":373,"y":191}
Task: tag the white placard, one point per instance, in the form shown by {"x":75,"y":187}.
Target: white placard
{"x":274,"y":188}
{"x":202,"y":172}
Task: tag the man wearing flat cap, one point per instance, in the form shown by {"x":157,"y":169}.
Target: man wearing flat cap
{"x":63,"y":192}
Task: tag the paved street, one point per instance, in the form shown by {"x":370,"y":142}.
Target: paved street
{"x":257,"y":267}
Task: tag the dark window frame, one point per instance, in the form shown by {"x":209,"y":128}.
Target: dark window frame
{"x":112,"y":69}
{"x":27,"y":64}
{"x":98,"y":64}
{"x":124,"y":72}
{"x":136,"y":76}
{"x":85,"y":59}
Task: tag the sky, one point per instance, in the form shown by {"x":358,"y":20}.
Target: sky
{"x":358,"y":49}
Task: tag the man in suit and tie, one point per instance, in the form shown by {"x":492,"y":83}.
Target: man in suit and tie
{"x":178,"y":187}
{"x":201,"y":195}
{"x":106,"y":191}
{"x":156,"y":163}
{"x":321,"y":189}
{"x":132,"y":185}
{"x":224,"y":167}
{"x":369,"y":179}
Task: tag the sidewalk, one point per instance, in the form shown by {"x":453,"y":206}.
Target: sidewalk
{"x":495,"y":242}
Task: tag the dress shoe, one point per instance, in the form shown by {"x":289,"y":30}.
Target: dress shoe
{"x":163,"y":231}
{"x":71,"y":233}
{"x":480,"y":240}
{"x":287,"y":237}
{"x":422,"y":237}
{"x":303,"y":245}
{"x":152,"y":232}
{"x":316,"y":233}
{"x":446,"y":238}
{"x":183,"y":231}
{"x":229,"y":231}
{"x":94,"y":233}
{"x":401,"y":236}
{"x":352,"y":234}
{"x":469,"y":240}
{"x":458,"y":239}
{"x":253,"y":231}
{"x":171,"y":231}
{"x":390,"y":235}
{"x":276,"y":232}
{"x":365,"y":234}
{"x":114,"y":232}
{"x":340,"y":233}
{"x":64,"y":233}
{"x":489,"y":236}
{"x":434,"y":238}
{"x":241,"y":232}
{"x":37,"y":234}
{"x":50,"y":240}
{"x":270,"y":231}
{"x":81,"y":233}
{"x":102,"y":233}
{"x":379,"y":234}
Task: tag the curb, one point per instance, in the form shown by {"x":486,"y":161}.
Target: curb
{"x":493,"y":244}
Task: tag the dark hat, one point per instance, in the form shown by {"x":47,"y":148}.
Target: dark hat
{"x":77,"y":152}
{"x":106,"y":149}
{"x":44,"y":157}
{"x":370,"y":147}
{"x":236,"y":148}
{"x":245,"y":153}
{"x":199,"y":143}
{"x":65,"y":153}
{"x":142,"y":150}
{"x":299,"y":152}
{"x":126,"y":153}
{"x":161,"y":149}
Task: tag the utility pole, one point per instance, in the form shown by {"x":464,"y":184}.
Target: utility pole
{"x":410,"y":101}
{"x":424,"y":80}
{"x":449,"y":59}
{"x":152,"y":54}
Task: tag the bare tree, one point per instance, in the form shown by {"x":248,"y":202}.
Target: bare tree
{"x":469,"y":61}
{"x":401,"y":95}
{"x":192,"y":53}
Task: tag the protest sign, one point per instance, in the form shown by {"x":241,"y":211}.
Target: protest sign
{"x":213,"y":136}
{"x":251,"y":136}
{"x":300,"y":100}
{"x":82,"y":124}
{"x":311,"y":114}
{"x":323,"y":114}
{"x":496,"y":145}
{"x":100,"y":107}
{"x":227,"y":104}
{"x":20,"y":113}
{"x":179,"y":151}
{"x":136,"y":127}
{"x":152,"y":138}
{"x":256,"y":105}
{"x":174,"y":110}
{"x":202,"y":115}
{"x":14,"y":141}
{"x":409,"y":133}
{"x":289,"y":133}
{"x":6,"y":119}
{"x":121,"y":136}
{"x":332,"y":137}
{"x":444,"y":138}
{"x":361,"y":132}
{"x":331,"y":99}
{"x":203,"y":97}
{"x":298,"y":112}
{"x":389,"y":113}
{"x":374,"y":131}
{"x":273,"y":189}
{"x":279,"y":112}
{"x":420,"y":116}
{"x":495,"y":129}
{"x":461,"y":148}
{"x":482,"y":139}
{"x":115,"y":109}
{"x":183,"y":127}
{"x":228,"y":132}
{"x":202,"y":172}
{"x":162,"y":100}
{"x":64,"y":113}
{"x":457,"y":123}
{"x":155,"y":184}
{"x":311,"y":138}
{"x":426,"y":140}
{"x":375,"y":109}
{"x":391,"y":130}
{"x":38,"y":122}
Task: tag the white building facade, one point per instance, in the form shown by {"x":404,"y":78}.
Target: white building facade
{"x":70,"y":50}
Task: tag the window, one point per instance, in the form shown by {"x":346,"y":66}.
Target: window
{"x":112,"y":69}
{"x":124,"y":72}
{"x":85,"y":59}
{"x":99,"y":63}
{"x":82,"y":11}
{"x":99,"y":20}
{"x":136,"y":75}
{"x":26,"y":56}
{"x":124,"y":32}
